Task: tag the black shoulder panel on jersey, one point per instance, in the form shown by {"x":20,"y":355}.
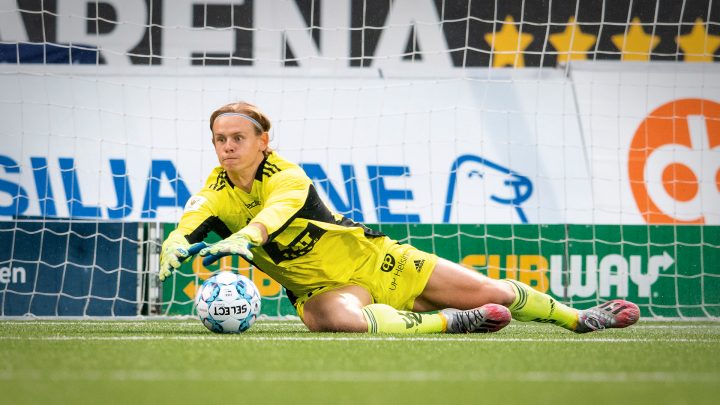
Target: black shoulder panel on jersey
{"x":221,"y":181}
{"x":211,"y":224}
{"x":313,"y":209}
{"x":266,"y":169}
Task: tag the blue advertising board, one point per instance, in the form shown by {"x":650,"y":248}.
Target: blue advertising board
{"x":63,"y":268}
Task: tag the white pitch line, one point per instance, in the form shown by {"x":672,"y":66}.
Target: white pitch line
{"x":136,"y":323}
{"x":448,"y":339}
{"x":702,"y":325}
{"x":356,"y":376}
{"x":92,"y":323}
{"x":291,"y":324}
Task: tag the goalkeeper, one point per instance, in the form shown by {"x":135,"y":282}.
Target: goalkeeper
{"x":340,"y":275}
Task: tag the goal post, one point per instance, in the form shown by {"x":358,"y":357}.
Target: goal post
{"x":569,"y":144}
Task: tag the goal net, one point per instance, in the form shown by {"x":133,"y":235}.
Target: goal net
{"x":569,"y":144}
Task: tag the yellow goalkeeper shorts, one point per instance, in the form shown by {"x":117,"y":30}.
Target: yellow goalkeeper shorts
{"x":396,"y":277}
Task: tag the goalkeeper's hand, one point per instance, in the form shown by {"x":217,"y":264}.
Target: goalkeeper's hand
{"x":238,"y":243}
{"x":175,"y":251}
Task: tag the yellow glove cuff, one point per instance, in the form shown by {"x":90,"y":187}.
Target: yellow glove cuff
{"x":176,"y":237}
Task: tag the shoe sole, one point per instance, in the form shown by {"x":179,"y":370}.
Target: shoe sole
{"x":625,"y":313}
{"x":496,"y":317}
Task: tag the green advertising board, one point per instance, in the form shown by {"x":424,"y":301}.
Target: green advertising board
{"x":669,"y":271}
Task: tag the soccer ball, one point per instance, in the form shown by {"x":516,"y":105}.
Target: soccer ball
{"x":228,"y":303}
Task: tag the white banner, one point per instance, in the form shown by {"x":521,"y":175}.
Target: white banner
{"x":500,"y":148}
{"x":497,"y":147}
{"x":652,"y":135}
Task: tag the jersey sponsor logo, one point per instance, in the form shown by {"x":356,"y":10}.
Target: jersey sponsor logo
{"x":397,"y":271}
{"x":194,"y":203}
{"x":388,"y":263}
{"x":252,"y":204}
{"x":300,"y":246}
{"x":674,"y":164}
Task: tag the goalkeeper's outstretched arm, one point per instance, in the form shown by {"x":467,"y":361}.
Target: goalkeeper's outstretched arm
{"x":187,"y":239}
{"x":239,"y":243}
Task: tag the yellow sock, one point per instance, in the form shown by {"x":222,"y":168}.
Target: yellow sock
{"x":383,"y":318}
{"x":532,"y":305}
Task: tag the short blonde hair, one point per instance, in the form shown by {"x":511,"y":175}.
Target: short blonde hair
{"x":248,"y":109}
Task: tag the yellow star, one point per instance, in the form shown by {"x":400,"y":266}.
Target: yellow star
{"x":508,"y":45}
{"x":572,"y":44}
{"x":635,"y":44}
{"x":697,"y":46}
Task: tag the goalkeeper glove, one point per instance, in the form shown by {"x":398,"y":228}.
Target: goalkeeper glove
{"x":238,"y":243}
{"x":175,"y":251}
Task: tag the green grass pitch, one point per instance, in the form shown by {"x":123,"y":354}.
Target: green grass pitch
{"x":179,"y":361}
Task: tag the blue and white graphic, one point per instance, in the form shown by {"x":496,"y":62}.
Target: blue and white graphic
{"x":493,"y":189}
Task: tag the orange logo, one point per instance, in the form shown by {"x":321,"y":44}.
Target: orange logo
{"x":673,"y":167}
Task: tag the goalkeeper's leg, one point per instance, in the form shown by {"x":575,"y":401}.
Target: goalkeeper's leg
{"x":480,"y":301}
{"x":454,"y":286}
{"x":532,"y":305}
{"x":467,"y":301}
{"x":350,"y":309}
{"x":386,"y":319}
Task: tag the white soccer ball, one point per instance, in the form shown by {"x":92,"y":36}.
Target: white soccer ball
{"x":228,"y":303}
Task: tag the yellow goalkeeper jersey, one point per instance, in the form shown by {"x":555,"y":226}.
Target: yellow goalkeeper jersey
{"x":308,"y":246}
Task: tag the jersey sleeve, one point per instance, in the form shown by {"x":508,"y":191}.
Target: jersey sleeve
{"x":285,"y":194}
{"x":200,"y":217}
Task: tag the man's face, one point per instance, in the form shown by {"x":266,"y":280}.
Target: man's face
{"x":237,"y":145}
